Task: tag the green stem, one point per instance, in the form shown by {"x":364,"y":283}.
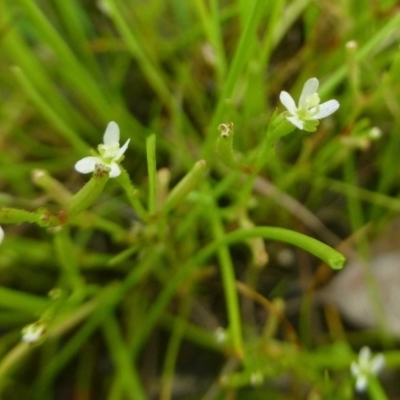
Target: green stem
{"x":326,"y":253}
{"x":185,"y":186}
{"x":66,"y":254}
{"x":152,"y":171}
{"x":90,"y":192}
{"x":123,"y":364}
{"x":132,"y":194}
{"x":174,"y":344}
{"x":56,"y":190}
{"x":102,"y":306}
{"x":48,"y":111}
{"x":239,"y":63}
{"x":21,"y":301}
{"x":375,"y":389}
{"x":228,"y":279}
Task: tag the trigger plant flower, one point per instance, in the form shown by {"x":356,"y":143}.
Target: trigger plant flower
{"x":365,"y":367}
{"x":306,"y":114}
{"x":109,"y":153}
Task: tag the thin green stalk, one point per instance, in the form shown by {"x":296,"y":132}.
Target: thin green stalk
{"x":87,"y":218}
{"x":49,"y":112}
{"x":319,"y":249}
{"x":349,"y":190}
{"x":211,"y":20}
{"x":290,"y":15}
{"x":154,"y":75}
{"x":15,"y":356}
{"x":239,"y":63}
{"x":228,"y":280}
{"x":21,"y":301}
{"x":90,"y":94}
{"x":122,"y":361}
{"x":357,"y":221}
{"x":353,"y":204}
{"x":85,"y":371}
{"x":74,"y":71}
{"x":66,"y":254}
{"x":188,"y":183}
{"x":24,"y":57}
{"x":152,"y":173}
{"x":375,"y":389}
{"x":274,"y":23}
{"x":105,"y":303}
{"x":326,"y":253}
{"x":132,"y":194}
{"x":173,"y":347}
{"x":376,"y":40}
{"x":77,"y":22}
{"x":201,"y":336}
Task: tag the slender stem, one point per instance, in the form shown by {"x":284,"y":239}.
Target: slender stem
{"x":313,"y":246}
{"x":228,"y":279}
{"x":123,"y":363}
{"x":152,"y":172}
{"x":174,"y":344}
{"x":375,"y":389}
{"x":132,"y":194}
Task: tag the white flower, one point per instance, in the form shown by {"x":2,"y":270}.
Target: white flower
{"x":365,"y":367}
{"x":1,"y":234}
{"x":109,"y":153}
{"x":309,"y":111}
{"x":220,"y":335}
{"x":34,"y":333}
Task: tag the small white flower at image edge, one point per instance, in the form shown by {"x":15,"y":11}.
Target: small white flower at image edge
{"x":1,"y":235}
{"x":365,"y":366}
{"x":306,"y":114}
{"x":109,"y":153}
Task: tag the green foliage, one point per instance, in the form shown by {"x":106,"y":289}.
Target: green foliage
{"x":168,"y":278}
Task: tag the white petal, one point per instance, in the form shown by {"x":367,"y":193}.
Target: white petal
{"x":87,"y":164}
{"x":377,"y":363}
{"x":296,"y":122}
{"x":309,"y":88}
{"x":361,"y":383}
{"x":326,"y":109}
{"x":364,"y":356}
{"x":288,"y":102}
{"x":122,"y":150}
{"x":1,"y":234}
{"x":355,"y":369}
{"x":115,"y":170}
{"x":111,"y":135}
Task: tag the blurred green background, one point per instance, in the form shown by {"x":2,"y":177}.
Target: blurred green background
{"x":129,"y":323}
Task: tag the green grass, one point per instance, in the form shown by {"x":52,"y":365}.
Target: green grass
{"x":151,"y":264}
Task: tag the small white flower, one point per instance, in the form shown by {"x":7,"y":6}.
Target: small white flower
{"x":34,"y":333}
{"x":375,"y":133}
{"x":220,"y":335}
{"x":1,"y":234}
{"x":256,"y":378}
{"x":109,"y":153}
{"x":309,"y":111}
{"x":365,"y":367}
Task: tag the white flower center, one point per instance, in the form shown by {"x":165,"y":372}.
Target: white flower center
{"x":310,"y":108}
{"x":109,"y":152}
